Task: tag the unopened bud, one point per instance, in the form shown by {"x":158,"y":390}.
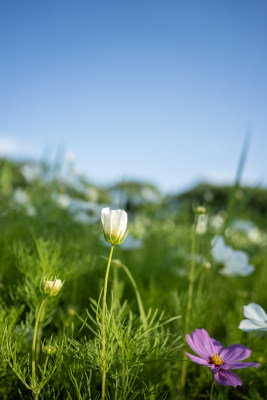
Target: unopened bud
{"x":52,"y":287}
{"x":48,"y":349}
{"x":114,"y":225}
{"x":207,"y":265}
{"x":71,"y":311}
{"x":200,"y":210}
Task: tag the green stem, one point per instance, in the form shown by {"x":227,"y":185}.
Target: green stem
{"x":34,"y":386}
{"x":103,"y":325}
{"x":211,"y":391}
{"x":138,"y":297}
{"x":38,"y":338}
{"x":44,"y":370}
{"x":190,"y":295}
{"x":116,"y":290}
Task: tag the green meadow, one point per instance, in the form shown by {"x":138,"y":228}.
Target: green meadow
{"x":165,"y":281}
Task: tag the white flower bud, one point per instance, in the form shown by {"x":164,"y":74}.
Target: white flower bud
{"x":52,"y":287}
{"x":49,"y":350}
{"x":114,"y":225}
{"x":200,"y":210}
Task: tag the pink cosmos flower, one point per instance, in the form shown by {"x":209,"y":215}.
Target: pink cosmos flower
{"x":219,"y":359}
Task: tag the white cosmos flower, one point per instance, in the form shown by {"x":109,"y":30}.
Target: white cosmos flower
{"x":235,"y":262}
{"x":220,"y":252}
{"x":114,"y":225}
{"x":256,"y":318}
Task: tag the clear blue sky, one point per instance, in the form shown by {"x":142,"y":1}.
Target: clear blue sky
{"x":154,"y":90}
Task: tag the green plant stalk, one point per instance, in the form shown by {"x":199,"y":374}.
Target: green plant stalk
{"x":39,"y":337}
{"x":33,"y":383}
{"x":138,"y":296}
{"x":190,"y":295}
{"x":44,"y":370}
{"x":211,"y":391}
{"x":103,"y":334}
{"x":115,"y":290}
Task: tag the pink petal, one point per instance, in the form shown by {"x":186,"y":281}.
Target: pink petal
{"x":227,"y":378}
{"x":238,"y":365}
{"x":218,"y":347}
{"x":198,"y":360}
{"x":235,"y":352}
{"x":195,"y":346}
{"x":203,"y":342}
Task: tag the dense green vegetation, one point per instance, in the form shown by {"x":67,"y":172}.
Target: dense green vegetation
{"x":50,"y":228}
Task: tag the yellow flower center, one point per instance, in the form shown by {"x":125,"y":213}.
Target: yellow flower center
{"x":216,"y":360}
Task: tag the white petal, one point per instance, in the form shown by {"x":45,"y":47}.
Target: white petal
{"x":255,"y":311}
{"x":246,"y":270}
{"x":218,"y":248}
{"x":248,"y":325}
{"x":116,"y":224}
{"x":124,"y":220}
{"x":240,"y":257}
{"x":104,"y":213}
{"x":228,"y":272}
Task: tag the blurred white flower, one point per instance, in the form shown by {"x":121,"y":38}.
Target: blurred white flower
{"x":242,"y":225}
{"x":114,"y":225}
{"x":31,"y":172}
{"x":256,"y":318}
{"x":254,"y":235}
{"x":30,"y":210}
{"x":217,"y":220}
{"x":248,"y":228}
{"x":235,"y":262}
{"x":84,"y":218}
{"x":83,"y":212}
{"x":219,"y":251}
{"x":21,"y":197}
{"x":202,"y":224}
{"x":63,"y":200}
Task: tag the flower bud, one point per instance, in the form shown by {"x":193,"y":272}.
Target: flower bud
{"x":200,"y":210}
{"x":49,"y":350}
{"x":52,"y":287}
{"x":114,"y":225}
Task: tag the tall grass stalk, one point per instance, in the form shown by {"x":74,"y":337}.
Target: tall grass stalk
{"x":192,"y":277}
{"x":34,"y":341}
{"x":103,"y":322}
{"x":138,"y":296}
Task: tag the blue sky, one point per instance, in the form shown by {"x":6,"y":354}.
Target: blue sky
{"x":162,"y":91}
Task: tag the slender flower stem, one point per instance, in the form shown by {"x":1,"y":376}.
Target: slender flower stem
{"x":33,"y":383}
{"x":45,"y":367}
{"x":211,"y":391}
{"x":103,"y":334}
{"x":190,"y":294}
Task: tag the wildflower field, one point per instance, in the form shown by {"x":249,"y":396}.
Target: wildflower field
{"x":163,"y":300}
